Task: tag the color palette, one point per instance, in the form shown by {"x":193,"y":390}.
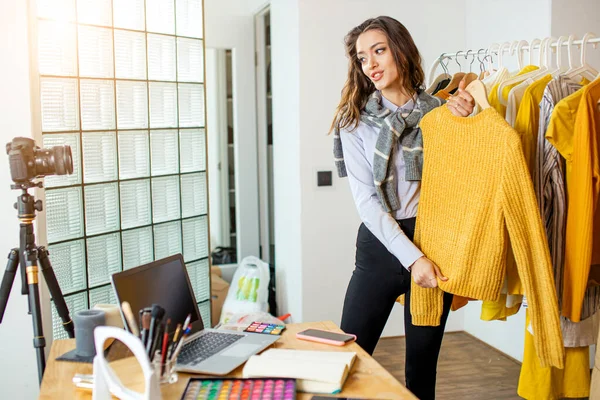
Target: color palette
{"x":262,"y":327}
{"x":240,"y":389}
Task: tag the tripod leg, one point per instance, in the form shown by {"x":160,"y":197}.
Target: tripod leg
{"x":8,"y":279}
{"x":39,"y":341}
{"x":55,"y":292}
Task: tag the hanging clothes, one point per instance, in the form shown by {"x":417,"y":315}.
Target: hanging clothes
{"x":441,"y":84}
{"x":528,"y":117}
{"x":514,"y":100}
{"x":582,"y":253}
{"x":563,"y":126}
{"x":443,"y":94}
{"x":535,"y":381}
{"x":549,"y":183}
{"x":495,"y":77}
{"x":483,"y":182}
{"x":494,"y":95}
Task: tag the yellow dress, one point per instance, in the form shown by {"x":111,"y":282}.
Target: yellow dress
{"x":549,"y":383}
{"x":582,"y":237}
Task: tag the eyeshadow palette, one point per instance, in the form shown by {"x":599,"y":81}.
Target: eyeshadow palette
{"x":240,"y":389}
{"x":263,"y":327}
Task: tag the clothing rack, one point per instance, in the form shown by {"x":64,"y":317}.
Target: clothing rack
{"x":506,"y":47}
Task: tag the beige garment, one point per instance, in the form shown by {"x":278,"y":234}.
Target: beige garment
{"x":580,"y":334}
{"x":514,"y":100}
{"x":496,"y":77}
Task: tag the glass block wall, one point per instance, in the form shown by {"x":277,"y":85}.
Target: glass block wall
{"x":121,"y":82}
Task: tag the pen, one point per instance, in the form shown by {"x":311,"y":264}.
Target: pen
{"x":175,"y":338}
{"x":179,"y":345}
{"x":186,"y":324}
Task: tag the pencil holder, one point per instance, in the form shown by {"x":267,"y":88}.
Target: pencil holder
{"x":165,"y":371}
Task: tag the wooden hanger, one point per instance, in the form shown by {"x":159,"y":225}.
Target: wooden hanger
{"x":457,"y":76}
{"x":477,"y":90}
{"x":455,"y":81}
{"x":470,"y":77}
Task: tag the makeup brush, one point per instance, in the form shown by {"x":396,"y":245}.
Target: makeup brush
{"x":157,"y":313}
{"x":157,"y":339}
{"x":128,"y":313}
{"x":146,"y":318}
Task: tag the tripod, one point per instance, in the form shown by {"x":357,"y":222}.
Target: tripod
{"x":27,"y":255}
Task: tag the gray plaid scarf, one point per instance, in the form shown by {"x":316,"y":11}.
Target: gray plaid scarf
{"x":392,"y":126}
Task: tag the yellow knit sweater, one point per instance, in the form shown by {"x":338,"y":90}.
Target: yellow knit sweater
{"x":476,"y":188}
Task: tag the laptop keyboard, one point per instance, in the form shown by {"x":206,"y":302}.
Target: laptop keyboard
{"x":205,"y":346}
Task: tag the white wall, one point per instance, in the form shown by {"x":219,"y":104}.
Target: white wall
{"x":18,"y":371}
{"x":231,"y":26}
{"x":489,"y":21}
{"x":285,"y":67}
{"x":585,"y":17}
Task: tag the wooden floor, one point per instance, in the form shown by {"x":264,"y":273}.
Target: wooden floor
{"x":467,"y":369}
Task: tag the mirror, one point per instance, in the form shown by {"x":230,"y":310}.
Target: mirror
{"x":221,"y":161}
{"x":239,"y":138}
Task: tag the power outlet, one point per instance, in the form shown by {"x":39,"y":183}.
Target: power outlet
{"x":324,"y":178}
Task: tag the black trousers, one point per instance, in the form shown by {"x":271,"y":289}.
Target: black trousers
{"x":378,"y":279}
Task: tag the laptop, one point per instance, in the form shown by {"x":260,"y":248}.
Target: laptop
{"x":208,"y":351}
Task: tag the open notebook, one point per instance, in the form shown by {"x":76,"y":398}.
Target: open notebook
{"x":314,"y":371}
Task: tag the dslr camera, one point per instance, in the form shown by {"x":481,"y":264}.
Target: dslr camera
{"x":28,"y":161}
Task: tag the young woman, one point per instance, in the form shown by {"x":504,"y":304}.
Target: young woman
{"x":378,"y":145}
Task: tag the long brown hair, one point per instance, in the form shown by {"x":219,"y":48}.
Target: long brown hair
{"x":358,"y":86}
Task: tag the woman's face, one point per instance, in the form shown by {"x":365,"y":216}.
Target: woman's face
{"x":376,"y":59}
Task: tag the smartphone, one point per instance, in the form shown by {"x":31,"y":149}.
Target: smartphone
{"x":336,"y":398}
{"x":327,"y":337}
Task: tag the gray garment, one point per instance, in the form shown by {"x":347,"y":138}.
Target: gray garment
{"x":393,"y":127}
{"x":550,"y":189}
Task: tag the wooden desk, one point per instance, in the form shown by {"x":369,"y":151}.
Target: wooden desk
{"x":367,"y":379}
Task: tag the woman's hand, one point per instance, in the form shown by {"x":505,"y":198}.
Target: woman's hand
{"x":462,"y":103}
{"x":425,"y":273}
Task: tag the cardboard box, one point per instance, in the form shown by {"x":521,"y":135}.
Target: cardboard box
{"x":595,"y":389}
{"x":218,"y":294}
{"x":215,"y":270}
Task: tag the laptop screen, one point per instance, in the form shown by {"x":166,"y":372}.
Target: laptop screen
{"x":164,"y":282}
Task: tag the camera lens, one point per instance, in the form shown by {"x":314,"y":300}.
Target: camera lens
{"x":63,"y":160}
{"x":56,"y":160}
